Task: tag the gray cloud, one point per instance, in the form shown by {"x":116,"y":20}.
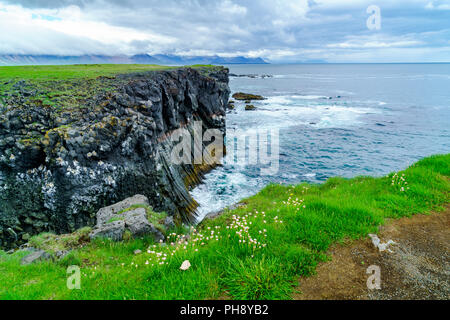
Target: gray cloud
{"x":47,"y":3}
{"x":278,"y":29}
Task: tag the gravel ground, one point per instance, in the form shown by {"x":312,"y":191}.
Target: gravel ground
{"x":417,"y":269}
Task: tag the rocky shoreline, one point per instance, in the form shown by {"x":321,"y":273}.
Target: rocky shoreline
{"x":59,"y":164}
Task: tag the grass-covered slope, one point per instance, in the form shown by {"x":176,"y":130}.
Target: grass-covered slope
{"x":254,"y":252}
{"x":67,"y":86}
{"x":61,"y":87}
{"x":84,"y":71}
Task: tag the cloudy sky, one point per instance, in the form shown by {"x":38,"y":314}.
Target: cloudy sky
{"x":276,"y":30}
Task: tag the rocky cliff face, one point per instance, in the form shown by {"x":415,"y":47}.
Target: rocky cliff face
{"x":59,"y":165}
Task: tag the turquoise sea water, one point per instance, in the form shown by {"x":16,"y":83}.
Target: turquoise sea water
{"x":380,"y":118}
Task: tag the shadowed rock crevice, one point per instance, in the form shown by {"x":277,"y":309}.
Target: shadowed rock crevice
{"x":59,"y":164}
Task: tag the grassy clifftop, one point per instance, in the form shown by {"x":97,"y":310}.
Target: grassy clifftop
{"x":254,"y":252}
{"x":67,"y":86}
{"x":85,"y":71}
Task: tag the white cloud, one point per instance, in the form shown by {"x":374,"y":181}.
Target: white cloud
{"x":228,"y":7}
{"x":375,"y":41}
{"x":438,"y":5}
{"x":40,"y":27}
{"x":277,"y":30}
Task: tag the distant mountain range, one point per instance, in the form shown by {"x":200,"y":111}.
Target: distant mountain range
{"x":162,"y":59}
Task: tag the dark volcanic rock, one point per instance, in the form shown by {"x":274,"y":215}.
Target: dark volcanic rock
{"x":59,"y":166}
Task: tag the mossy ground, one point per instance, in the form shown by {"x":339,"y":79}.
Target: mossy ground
{"x":254,"y":252}
{"x":53,"y":243}
{"x":81,"y":71}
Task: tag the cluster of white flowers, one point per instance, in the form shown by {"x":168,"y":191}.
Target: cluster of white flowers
{"x":247,"y":231}
{"x":159,"y":257}
{"x":399,"y":181}
{"x":276,"y":220}
{"x":305,"y":189}
{"x":296,"y":203}
{"x":241,"y":226}
{"x":239,"y":231}
{"x":160,"y":253}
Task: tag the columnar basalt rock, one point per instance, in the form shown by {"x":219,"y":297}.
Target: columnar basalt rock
{"x":58,"y":166}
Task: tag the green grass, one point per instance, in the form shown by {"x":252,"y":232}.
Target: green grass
{"x":67,"y":86}
{"x":85,"y":71}
{"x":290,"y":229}
{"x":53,"y":243}
{"x":80,"y":71}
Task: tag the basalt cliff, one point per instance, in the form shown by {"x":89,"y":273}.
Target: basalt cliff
{"x":71,"y":146}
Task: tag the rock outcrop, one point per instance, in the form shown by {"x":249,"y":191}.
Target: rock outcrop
{"x":247,"y":97}
{"x":133,"y":215}
{"x":35,"y":256}
{"x":62,"y":157}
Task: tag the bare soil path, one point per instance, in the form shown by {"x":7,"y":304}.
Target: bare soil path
{"x":418,"y":268}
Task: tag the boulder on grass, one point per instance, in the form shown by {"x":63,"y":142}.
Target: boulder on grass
{"x":106,"y":214}
{"x":113,"y":230}
{"x":136,"y":221}
{"x":130,"y":215}
{"x":35,"y":256}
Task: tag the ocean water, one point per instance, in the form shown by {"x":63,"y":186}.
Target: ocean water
{"x":380,"y":118}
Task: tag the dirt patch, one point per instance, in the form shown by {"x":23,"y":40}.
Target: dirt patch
{"x":417,"y":269}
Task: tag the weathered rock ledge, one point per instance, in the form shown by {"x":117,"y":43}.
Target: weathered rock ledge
{"x":58,"y":166}
{"x":133,"y":215}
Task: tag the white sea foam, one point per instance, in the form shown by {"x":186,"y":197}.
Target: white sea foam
{"x":292,"y":99}
{"x":307,"y":76}
{"x":310,"y":97}
{"x":278,"y":100}
{"x":309,"y":175}
{"x":222,"y":187}
{"x":322,"y":115}
{"x":227,"y":185}
{"x":289,"y":176}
